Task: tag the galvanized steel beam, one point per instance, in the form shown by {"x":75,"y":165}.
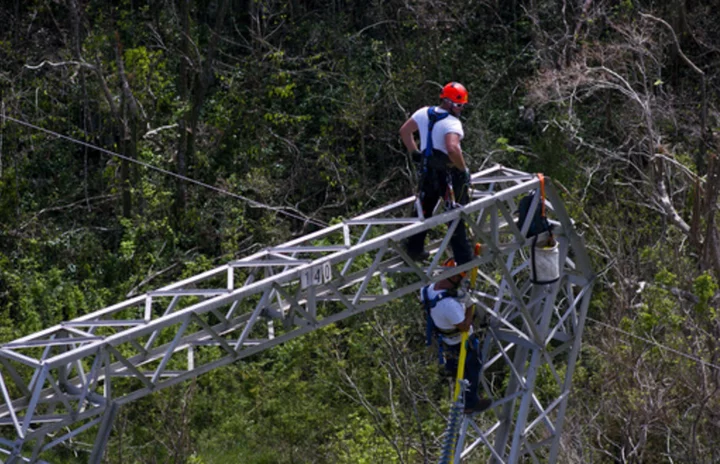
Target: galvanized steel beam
{"x":65,"y":380}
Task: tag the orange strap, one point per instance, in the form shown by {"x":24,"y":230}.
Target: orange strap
{"x":542,"y":194}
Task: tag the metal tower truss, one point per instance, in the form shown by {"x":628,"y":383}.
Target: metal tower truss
{"x":71,"y":379}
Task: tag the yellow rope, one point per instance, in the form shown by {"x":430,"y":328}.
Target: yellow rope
{"x":465,"y":335}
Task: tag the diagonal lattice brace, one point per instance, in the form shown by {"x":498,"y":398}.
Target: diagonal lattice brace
{"x":257,"y":302}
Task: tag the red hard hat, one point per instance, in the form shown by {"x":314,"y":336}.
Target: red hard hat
{"x":455,"y":92}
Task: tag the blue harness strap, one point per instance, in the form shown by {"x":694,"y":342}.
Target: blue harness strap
{"x":427,"y":154}
{"x":433,"y":117}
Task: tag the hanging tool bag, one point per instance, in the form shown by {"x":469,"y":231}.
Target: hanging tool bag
{"x":545,"y":262}
{"x":545,"y":254}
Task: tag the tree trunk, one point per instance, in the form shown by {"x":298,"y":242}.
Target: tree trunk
{"x":678,"y":22}
{"x":77,"y":52}
{"x":17,"y":21}
{"x":711,"y":246}
{"x":125,"y":164}
{"x":2,"y":127}
{"x":132,"y":153}
{"x":701,"y":161}
{"x":201,"y":85}
{"x":183,"y":85}
{"x":128,"y":118}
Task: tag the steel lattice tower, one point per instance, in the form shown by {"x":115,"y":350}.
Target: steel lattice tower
{"x":59,"y":383}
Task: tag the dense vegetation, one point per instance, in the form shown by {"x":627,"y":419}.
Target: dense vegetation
{"x":296,"y":104}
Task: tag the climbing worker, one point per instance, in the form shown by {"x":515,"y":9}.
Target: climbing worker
{"x":441,"y":160}
{"x":447,"y":317}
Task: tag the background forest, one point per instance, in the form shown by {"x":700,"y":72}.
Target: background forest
{"x":297,"y":105}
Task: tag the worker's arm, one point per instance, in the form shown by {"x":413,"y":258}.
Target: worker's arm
{"x":407,"y":134}
{"x":464,"y":326}
{"x":452,"y":143}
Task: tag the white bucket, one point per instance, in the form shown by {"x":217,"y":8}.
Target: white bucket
{"x":545,"y":264}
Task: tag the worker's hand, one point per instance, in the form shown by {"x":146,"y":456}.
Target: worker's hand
{"x":457,"y":294}
{"x":416,"y":156}
{"x":463,"y":174}
{"x":464,"y":298}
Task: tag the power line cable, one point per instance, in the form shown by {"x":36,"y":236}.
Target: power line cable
{"x":258,"y":204}
{"x":252,"y":202}
{"x":659,"y":345}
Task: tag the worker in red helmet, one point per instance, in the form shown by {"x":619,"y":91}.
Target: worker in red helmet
{"x":441,"y":163}
{"x":447,"y":316}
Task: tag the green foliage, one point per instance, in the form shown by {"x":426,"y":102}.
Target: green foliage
{"x":705,"y":287}
{"x":623,"y":9}
{"x":554,"y":158}
{"x":301,"y":110}
{"x":360,"y":443}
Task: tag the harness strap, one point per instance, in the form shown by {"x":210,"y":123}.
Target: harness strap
{"x":541,"y":177}
{"x":433,"y":117}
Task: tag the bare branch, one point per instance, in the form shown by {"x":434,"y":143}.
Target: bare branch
{"x":677,"y":43}
{"x":157,"y":130}
{"x":84,"y":201}
{"x":106,"y":90}
{"x":663,"y":199}
{"x":132,"y":102}
{"x":60,"y":64}
{"x":149,"y":278}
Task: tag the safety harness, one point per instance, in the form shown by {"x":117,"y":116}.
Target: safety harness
{"x":429,"y":152}
{"x":433,"y":117}
{"x":430,"y":327}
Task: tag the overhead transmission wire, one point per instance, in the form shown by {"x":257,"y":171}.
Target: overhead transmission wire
{"x":253,"y":203}
{"x":283,"y":211}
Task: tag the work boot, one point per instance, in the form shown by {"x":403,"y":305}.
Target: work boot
{"x":481,"y":406}
{"x":420,"y":255}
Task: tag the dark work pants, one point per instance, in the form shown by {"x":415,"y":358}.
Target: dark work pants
{"x":473,"y":364}
{"x":433,"y":185}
